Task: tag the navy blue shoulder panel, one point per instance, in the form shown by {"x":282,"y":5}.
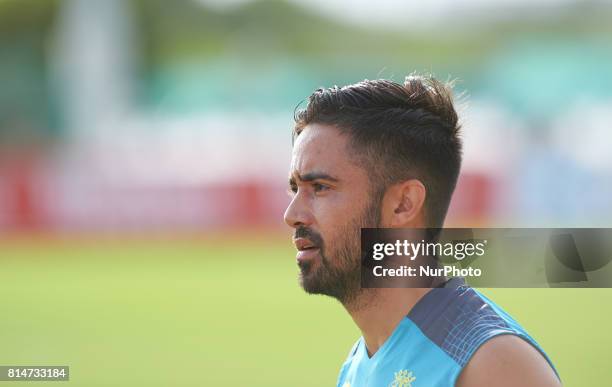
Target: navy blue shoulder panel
{"x":458,"y":320}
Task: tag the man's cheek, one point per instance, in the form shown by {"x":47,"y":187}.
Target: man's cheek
{"x":339,"y":204}
{"x":329,"y":220}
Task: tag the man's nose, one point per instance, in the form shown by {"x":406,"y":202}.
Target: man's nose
{"x":297,"y":213}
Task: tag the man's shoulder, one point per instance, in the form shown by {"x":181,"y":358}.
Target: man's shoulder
{"x":507,"y":360}
{"x":459,"y":319}
{"x":469,"y":327}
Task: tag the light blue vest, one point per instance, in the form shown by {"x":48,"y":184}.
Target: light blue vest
{"x":431,"y":345}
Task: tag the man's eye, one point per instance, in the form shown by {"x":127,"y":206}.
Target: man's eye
{"x":318,"y":187}
{"x":292,"y":190}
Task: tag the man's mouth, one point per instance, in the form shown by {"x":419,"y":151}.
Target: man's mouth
{"x":304,"y":244}
{"x":306,"y":249}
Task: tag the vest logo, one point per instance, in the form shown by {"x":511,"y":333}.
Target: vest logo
{"x":403,"y":378}
{"x":347,"y":384}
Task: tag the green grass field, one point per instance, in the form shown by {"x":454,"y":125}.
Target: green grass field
{"x":225,"y":312}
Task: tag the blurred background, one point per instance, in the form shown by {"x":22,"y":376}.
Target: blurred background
{"x":144,"y":150}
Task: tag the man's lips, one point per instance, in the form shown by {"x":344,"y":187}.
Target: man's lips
{"x":303,"y":244}
{"x":306,"y":249}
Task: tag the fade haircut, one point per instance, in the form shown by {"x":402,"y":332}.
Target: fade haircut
{"x":396,"y":133}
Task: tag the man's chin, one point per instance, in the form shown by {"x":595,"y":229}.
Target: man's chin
{"x":314,"y":289}
{"x":315,"y":283}
{"x":311,"y":281}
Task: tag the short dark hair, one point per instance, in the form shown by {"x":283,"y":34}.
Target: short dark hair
{"x":397,"y":132}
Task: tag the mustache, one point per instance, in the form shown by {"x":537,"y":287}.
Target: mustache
{"x":313,"y":236}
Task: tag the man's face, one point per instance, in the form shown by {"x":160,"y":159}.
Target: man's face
{"x":330,"y":204}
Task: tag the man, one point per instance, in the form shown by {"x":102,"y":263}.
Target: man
{"x":382,"y":154}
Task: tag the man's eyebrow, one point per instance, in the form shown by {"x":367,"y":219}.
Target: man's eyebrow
{"x":311,"y":176}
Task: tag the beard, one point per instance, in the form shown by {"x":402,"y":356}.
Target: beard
{"x":338,"y":273}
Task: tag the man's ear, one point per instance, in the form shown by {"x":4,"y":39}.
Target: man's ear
{"x":403,"y":205}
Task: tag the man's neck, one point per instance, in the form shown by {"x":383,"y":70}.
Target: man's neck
{"x":377,"y":312}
